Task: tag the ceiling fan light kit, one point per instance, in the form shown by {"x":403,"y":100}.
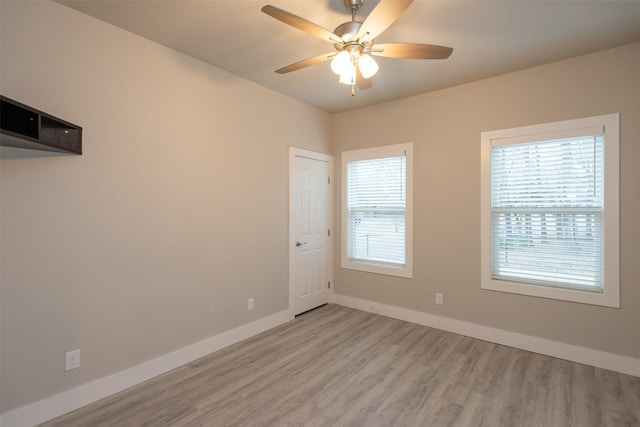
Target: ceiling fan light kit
{"x":348,"y":77}
{"x":368,"y":66}
{"x":345,"y":63}
{"x":354,"y":41}
{"x":341,"y":62}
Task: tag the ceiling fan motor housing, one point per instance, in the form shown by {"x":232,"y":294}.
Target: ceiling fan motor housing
{"x":348,"y":31}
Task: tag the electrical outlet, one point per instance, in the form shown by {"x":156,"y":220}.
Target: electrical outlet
{"x":72,"y":360}
{"x":250,"y":304}
{"x":438,"y":298}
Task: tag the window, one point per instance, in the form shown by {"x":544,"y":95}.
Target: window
{"x":376,"y":210}
{"x":550,"y":210}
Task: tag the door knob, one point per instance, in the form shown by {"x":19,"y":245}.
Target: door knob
{"x":298,"y":244}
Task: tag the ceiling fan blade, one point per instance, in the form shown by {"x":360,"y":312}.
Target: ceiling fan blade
{"x":301,"y":24}
{"x":411,"y":51}
{"x":361,"y":82}
{"x":381,"y":17}
{"x":306,"y":63}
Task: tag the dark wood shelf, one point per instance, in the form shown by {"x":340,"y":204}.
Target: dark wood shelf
{"x":25,"y":127}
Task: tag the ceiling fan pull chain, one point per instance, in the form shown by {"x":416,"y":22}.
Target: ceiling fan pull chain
{"x":353,"y":89}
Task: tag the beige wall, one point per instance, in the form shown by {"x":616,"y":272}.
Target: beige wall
{"x":155,"y":237}
{"x":445,"y":128}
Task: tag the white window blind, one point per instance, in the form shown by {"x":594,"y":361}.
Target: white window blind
{"x":376,"y":210}
{"x":547,"y":212}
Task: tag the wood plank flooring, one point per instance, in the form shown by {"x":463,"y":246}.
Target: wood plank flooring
{"x":336,"y":366}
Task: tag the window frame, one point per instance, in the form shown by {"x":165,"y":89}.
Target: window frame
{"x":370,"y":154}
{"x":610,"y":295}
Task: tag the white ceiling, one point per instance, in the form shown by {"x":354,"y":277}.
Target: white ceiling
{"x":489,"y":38}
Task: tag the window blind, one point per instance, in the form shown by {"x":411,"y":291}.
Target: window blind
{"x":376,"y":206}
{"x":546,"y":212}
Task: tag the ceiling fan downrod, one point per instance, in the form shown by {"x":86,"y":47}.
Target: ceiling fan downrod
{"x":353,"y":6}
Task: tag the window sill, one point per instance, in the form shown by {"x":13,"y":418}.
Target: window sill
{"x":607,"y":298}
{"x":405,"y":272}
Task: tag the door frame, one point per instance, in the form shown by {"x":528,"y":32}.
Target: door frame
{"x":300,"y":152}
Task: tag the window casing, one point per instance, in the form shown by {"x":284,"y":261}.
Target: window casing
{"x":550,"y":210}
{"x":377,"y":210}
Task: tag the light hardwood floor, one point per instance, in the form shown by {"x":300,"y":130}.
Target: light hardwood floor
{"x":336,"y":366}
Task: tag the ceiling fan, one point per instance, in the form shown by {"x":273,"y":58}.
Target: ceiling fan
{"x":354,"y":42}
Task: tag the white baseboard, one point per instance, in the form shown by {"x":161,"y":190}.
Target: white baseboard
{"x":600,"y":359}
{"x":78,"y":397}
{"x":85,"y":394}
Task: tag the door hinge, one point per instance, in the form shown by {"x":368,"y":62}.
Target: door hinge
{"x":329,"y":232}
{"x":329,"y":283}
{"x":328,"y":180}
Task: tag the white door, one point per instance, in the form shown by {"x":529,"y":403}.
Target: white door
{"x":310,"y":257}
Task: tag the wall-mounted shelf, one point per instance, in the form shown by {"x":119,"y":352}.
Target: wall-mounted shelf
{"x":25,"y":127}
